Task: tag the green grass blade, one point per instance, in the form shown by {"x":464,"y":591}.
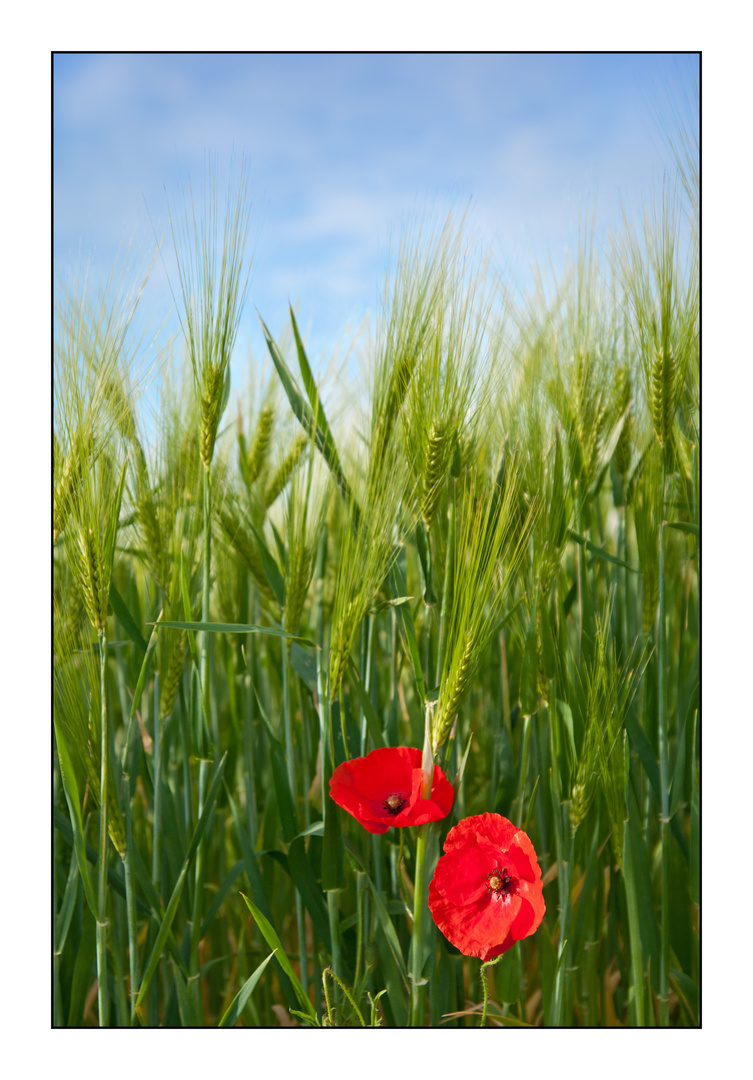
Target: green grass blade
{"x":187,"y":610}
{"x":238,"y":1003}
{"x":372,"y":720}
{"x":301,"y":871}
{"x":641,"y":873}
{"x":333,"y":850}
{"x":271,"y":569}
{"x":389,"y":931}
{"x":125,"y":618}
{"x":162,"y":935}
{"x":306,"y":417}
{"x":206,"y":813}
{"x":228,"y":881}
{"x":529,"y":679}
{"x":684,"y":526}
{"x":636,"y":948}
{"x":271,"y":938}
{"x":236,"y":628}
{"x":687,"y":993}
{"x":314,"y":399}
{"x":285,"y":803}
{"x":140,"y":682}
{"x":188,"y":1014}
{"x":114,"y":879}
{"x":172,"y":906}
{"x":598,"y":552}
{"x":256,"y":883}
{"x":65,"y":914}
{"x":70,"y":788}
{"x":509,"y":974}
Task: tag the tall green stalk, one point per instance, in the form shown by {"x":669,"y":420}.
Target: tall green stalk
{"x":636,"y":947}
{"x":133,"y":941}
{"x":417,"y":995}
{"x":419,"y":906}
{"x":205,"y":589}
{"x":157,"y":765}
{"x":292,"y":779}
{"x":564,"y":871}
{"x":103,"y":996}
{"x":663,"y":769}
{"x":194,"y":966}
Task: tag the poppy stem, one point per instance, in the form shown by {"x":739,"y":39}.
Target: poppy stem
{"x":330,"y":1022}
{"x":328,"y":971}
{"x":485,"y":984}
{"x":419,"y":905}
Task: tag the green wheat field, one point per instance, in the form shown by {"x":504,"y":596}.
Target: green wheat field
{"x":485,"y":548}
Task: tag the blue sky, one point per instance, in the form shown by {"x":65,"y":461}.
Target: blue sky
{"x":343,"y":150}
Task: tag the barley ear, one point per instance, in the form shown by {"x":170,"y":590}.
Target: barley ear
{"x":242,"y":540}
{"x":63,"y":493}
{"x":257,"y":455}
{"x":453,"y":693}
{"x":434,"y":472}
{"x":297,"y":584}
{"x":87,"y":565}
{"x":663,"y":394}
{"x":173,"y":673}
{"x":343,"y":635}
{"x":211,"y":397}
{"x":287,"y":466}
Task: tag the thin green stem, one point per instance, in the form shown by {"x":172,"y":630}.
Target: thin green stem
{"x":197,"y":913}
{"x":359,"y":932}
{"x":205,"y":589}
{"x":117,"y":951}
{"x":157,"y":763}
{"x":524,"y":766}
{"x":330,"y":1020}
{"x":287,"y":721}
{"x":334,"y":928}
{"x":581,"y":567}
{"x":133,"y":942}
{"x":419,"y":904}
{"x":485,"y":984}
{"x":293,"y":781}
{"x":248,"y":729}
{"x":103,"y":996}
{"x":419,"y":889}
{"x":663,"y":771}
{"x":565,"y":869}
{"x":623,"y":575}
{"x":636,"y":947}
{"x":328,"y":972}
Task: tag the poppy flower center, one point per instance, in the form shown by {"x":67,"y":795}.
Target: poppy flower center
{"x":500,"y":883}
{"x":394,"y":803}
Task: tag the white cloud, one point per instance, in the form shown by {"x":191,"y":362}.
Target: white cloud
{"x":343,"y":151}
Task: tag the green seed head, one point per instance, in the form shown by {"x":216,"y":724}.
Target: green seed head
{"x":663,"y":394}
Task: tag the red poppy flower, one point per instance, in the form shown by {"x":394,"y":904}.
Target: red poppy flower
{"x":384,"y":788}
{"x":486,"y":892}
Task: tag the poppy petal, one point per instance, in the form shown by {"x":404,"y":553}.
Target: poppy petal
{"x":366,"y":788}
{"x":482,"y":851}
